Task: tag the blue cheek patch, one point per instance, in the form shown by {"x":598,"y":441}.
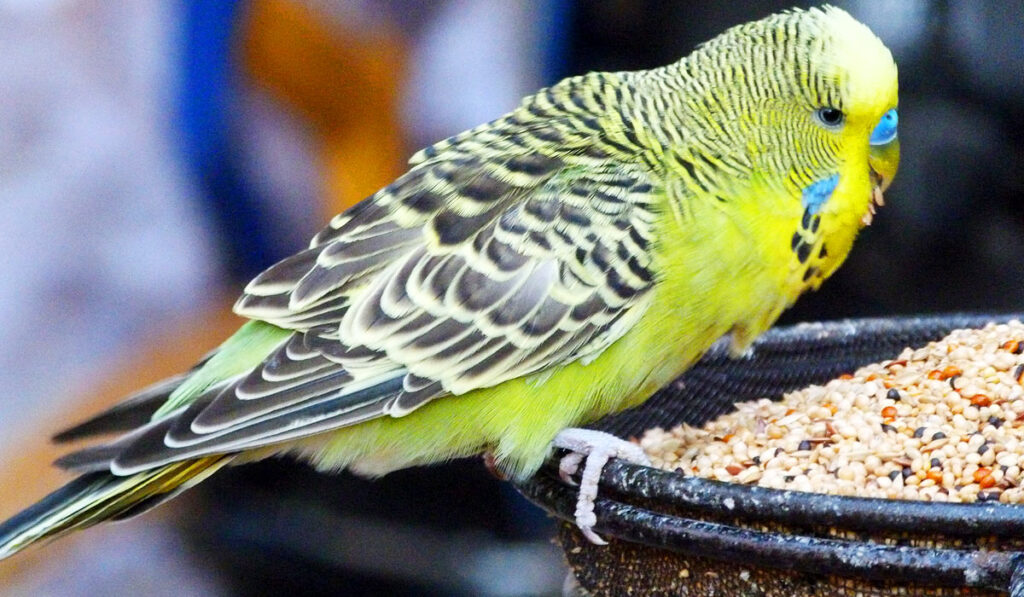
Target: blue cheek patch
{"x":885,"y":130}
{"x":817,"y":193}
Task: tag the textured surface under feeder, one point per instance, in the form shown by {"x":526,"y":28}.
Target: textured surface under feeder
{"x":676,"y":535}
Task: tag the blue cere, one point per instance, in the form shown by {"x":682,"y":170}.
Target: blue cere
{"x":817,"y":193}
{"x":885,"y":130}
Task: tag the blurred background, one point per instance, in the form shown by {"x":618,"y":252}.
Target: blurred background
{"x":156,"y":154}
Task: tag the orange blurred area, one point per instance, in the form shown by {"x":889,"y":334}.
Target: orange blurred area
{"x":345,"y":83}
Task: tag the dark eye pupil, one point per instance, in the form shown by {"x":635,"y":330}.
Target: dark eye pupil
{"x":830,"y":115}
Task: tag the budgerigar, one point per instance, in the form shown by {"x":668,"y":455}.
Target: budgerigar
{"x":528,"y":276}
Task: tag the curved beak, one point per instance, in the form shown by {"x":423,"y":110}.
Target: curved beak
{"x":884,"y":161}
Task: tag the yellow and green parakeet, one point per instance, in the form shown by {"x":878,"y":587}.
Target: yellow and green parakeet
{"x":529,"y":275}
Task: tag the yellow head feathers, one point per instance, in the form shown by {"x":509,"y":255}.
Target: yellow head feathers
{"x":791,"y":99}
{"x":862,"y":65}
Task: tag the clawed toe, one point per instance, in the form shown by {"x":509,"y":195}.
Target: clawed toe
{"x":568,"y":465}
{"x":593,"y":449}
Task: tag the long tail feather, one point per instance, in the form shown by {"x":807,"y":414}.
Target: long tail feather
{"x":100,"y":496}
{"x":134,"y":411}
{"x":127,"y":415}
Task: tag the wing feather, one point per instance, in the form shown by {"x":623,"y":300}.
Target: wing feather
{"x":496,"y":256}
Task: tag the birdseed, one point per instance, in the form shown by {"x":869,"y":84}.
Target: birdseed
{"x":941,"y":423}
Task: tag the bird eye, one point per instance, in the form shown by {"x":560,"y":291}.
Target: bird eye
{"x":829,"y":116}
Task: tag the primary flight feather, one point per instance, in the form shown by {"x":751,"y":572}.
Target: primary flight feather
{"x":529,"y":275}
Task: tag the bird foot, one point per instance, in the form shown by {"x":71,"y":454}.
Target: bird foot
{"x":596,"y":448}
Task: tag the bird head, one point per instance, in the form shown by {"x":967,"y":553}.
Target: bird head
{"x":864,"y":73}
{"x":806,"y":99}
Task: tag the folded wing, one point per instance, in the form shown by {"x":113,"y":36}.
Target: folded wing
{"x":489,"y":260}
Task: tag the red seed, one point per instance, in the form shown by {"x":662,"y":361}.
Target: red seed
{"x":846,"y":376}
{"x":982,"y":473}
{"x":981,"y":400}
{"x":734,"y":469}
{"x":1014,"y":346}
{"x":935,"y":474}
{"x":944,"y":374}
{"x":889,"y":412}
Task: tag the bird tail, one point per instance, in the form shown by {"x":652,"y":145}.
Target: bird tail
{"x":132,"y":413}
{"x":99,"y":496}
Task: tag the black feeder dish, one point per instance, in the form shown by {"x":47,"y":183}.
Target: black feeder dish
{"x":671,"y":534}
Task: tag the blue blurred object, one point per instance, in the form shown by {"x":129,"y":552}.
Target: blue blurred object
{"x":555,"y":27}
{"x":207,"y":92}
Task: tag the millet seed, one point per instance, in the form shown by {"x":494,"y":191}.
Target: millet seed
{"x":943,"y":422}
